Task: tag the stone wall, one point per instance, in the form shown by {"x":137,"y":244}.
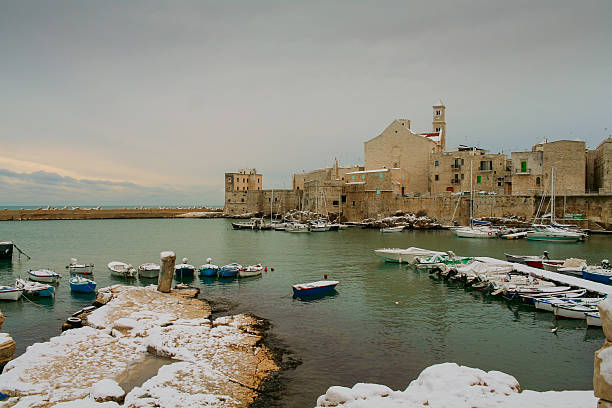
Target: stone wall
{"x":568,"y":157}
{"x":259,"y":201}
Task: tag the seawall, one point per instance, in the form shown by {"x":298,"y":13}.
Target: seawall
{"x":93,"y":214}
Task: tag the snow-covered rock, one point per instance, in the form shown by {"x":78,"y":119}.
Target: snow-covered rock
{"x":107,"y":390}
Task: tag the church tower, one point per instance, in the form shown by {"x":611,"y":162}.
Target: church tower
{"x":439,"y":121}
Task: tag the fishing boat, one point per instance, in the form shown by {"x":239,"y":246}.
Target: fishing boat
{"x":570,"y":264}
{"x":593,"y":319}
{"x":314,"y":288}
{"x":252,"y":270}
{"x":573,"y":311}
{"x":296,"y":227}
{"x":82,"y":285}
{"x":252,"y":224}
{"x":229,"y":270}
{"x":75,"y":267}
{"x":320,"y":226}
{"x":598,"y":275}
{"x":121,"y":269}
{"x":407,"y":255}
{"x":35,"y":288}
{"x":184,"y":270}
{"x":534,"y":263}
{"x":547,"y":304}
{"x":148,"y":270}
{"x":6,"y":249}
{"x":208,"y":269}
{"x":524,"y":258}
{"x":10,"y":293}
{"x":44,"y":275}
{"x":397,"y":228}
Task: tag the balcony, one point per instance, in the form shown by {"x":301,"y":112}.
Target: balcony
{"x":455,"y":167}
{"x":518,"y":172}
{"x":455,"y":181}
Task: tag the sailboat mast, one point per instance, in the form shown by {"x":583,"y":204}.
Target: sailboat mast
{"x":471,"y":195}
{"x":552,"y":197}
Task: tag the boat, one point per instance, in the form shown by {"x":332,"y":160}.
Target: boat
{"x":397,"y":228}
{"x":121,"y":269}
{"x":593,"y":319}
{"x":35,"y":288}
{"x":514,"y":235}
{"x":278,"y":226}
{"x":547,"y":304}
{"x":475,"y":232}
{"x":598,"y":275}
{"x":208,"y":269}
{"x":10,"y":293}
{"x":6,"y":249}
{"x":75,"y":267}
{"x":296,"y":227}
{"x":252,"y":270}
{"x":314,"y":288}
{"x":573,"y":311}
{"x":229,"y":270}
{"x":522,"y":259}
{"x":408,"y":255}
{"x":82,"y":285}
{"x":184,"y":269}
{"x":149,"y":270}
{"x":568,"y":265}
{"x":252,"y":224}
{"x":44,"y":275}
{"x":534,"y":263}
{"x":320,"y":226}
{"x":553,"y":234}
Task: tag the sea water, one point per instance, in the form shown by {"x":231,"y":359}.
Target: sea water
{"x":384,"y":324}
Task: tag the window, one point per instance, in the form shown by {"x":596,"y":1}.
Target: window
{"x":523,"y":167}
{"x":486,"y":165}
{"x":462,"y":176}
{"x":438,"y":112}
{"x":335,"y":203}
{"x":353,"y":203}
{"x":478,"y":179}
{"x":437,"y":129}
{"x":380,"y":175}
{"x":462,"y":161}
{"x":363,"y":176}
{"x":436,"y":163}
{"x":436,"y":177}
{"x":378,"y":192}
{"x":499,"y":184}
{"x":242,"y":200}
{"x":344,"y":199}
{"x":537,"y":181}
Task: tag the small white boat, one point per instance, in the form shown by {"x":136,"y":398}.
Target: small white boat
{"x":149,"y":270}
{"x":593,"y":319}
{"x":35,"y":288}
{"x":320,"y":226}
{"x":296,"y":227}
{"x":475,"y":232}
{"x":515,"y":235}
{"x":121,"y":269}
{"x":44,"y":275}
{"x":10,"y":293}
{"x":407,"y":255}
{"x":573,"y":311}
{"x":75,"y":267}
{"x":397,"y":228}
{"x":548,"y":304}
{"x":252,"y":270}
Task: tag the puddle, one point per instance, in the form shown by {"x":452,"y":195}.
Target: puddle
{"x":140,"y":371}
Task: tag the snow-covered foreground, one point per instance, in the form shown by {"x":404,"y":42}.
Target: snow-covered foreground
{"x":449,"y":385}
{"x":210,"y":363}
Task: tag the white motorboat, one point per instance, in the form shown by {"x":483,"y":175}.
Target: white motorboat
{"x":121,"y":269}
{"x":320,"y":226}
{"x":279,"y":226}
{"x":548,"y":304}
{"x":553,"y":234}
{"x":44,"y":275}
{"x":75,"y":267}
{"x":10,"y":293}
{"x":296,"y":227}
{"x":252,"y":270}
{"x":475,"y":232}
{"x":407,"y":255}
{"x":149,"y":270}
{"x":573,"y":311}
{"x":397,"y":228}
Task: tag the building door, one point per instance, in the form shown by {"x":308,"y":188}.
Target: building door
{"x":403,"y":188}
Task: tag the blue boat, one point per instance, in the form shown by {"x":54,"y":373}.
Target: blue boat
{"x":208,"y":269}
{"x":35,"y":288}
{"x":230,"y":270}
{"x":184,"y":270}
{"x":598,"y":275}
{"x":314,"y":288}
{"x":82,"y":285}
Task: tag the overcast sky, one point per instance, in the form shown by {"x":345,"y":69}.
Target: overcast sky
{"x":148,"y":102}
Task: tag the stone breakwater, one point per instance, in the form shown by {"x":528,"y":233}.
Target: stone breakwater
{"x":221,"y":362}
{"x":99,"y":214}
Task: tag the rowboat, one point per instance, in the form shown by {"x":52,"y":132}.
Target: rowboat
{"x":35,"y":288}
{"x":547,"y":304}
{"x":296,"y":227}
{"x":397,"y":228}
{"x":10,"y":293}
{"x":593,"y":319}
{"x":82,"y":285}
{"x":573,"y":311}
{"x":121,"y":269}
{"x":314,"y":288}
{"x":252,"y":270}
{"x":208,"y":269}
{"x":598,"y":275}
{"x":524,"y":258}
{"x":6,"y":249}
{"x":75,"y":267}
{"x":408,"y":255}
{"x":184,"y":270}
{"x":44,"y":275}
{"x":149,"y":270}
{"x":230,"y":270}
{"x":534,"y":263}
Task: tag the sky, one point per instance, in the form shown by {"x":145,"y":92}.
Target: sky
{"x":151,"y":102}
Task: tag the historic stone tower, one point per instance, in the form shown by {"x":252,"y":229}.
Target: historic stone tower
{"x":439,"y":122}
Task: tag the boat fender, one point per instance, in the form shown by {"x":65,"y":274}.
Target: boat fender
{"x":325,"y":276}
{"x":266,"y":269}
{"x":272,"y":269}
{"x":489,"y":233}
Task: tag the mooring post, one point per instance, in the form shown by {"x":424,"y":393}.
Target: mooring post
{"x":166,"y":273}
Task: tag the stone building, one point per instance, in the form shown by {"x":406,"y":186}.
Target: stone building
{"x":450,"y":171}
{"x":398,"y":147}
{"x":244,"y":180}
{"x":599,"y":168}
{"x":531,"y":171}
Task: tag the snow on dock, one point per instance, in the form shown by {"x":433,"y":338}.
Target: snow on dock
{"x":552,"y":276}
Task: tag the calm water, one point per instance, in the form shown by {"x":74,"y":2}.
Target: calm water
{"x":385,"y":324}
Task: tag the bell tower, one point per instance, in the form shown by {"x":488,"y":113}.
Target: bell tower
{"x":439,"y":122}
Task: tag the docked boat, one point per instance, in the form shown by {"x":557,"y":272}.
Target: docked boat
{"x":397,"y":228}
{"x":573,"y":311}
{"x":407,"y":255}
{"x":548,"y":303}
{"x":320,"y":226}
{"x":35,"y":288}
{"x":184,"y":270}
{"x":514,"y":235}
{"x":553,"y":234}
{"x":598,"y":275}
{"x":6,"y":249}
{"x":278,"y":226}
{"x":252,"y":270}
{"x":524,"y":258}
{"x":10,"y":293}
{"x":252,"y":224}
{"x":314,"y":288}
{"x":229,"y":270}
{"x":149,"y":270}
{"x":75,"y":267}
{"x":121,"y":269}
{"x":569,"y":265}
{"x":296,"y":227}
{"x":475,"y":232}
{"x":44,"y":275}
{"x":81,"y":285}
{"x":593,"y":319}
{"x":208,"y":269}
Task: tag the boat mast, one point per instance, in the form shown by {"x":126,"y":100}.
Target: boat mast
{"x":552,"y":197}
{"x":271,"y":204}
{"x":471,"y":196}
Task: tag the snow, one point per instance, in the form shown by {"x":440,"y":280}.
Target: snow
{"x":606,"y":306}
{"x":5,"y":338}
{"x":105,"y":389}
{"x":368,"y":171}
{"x":167,"y":254}
{"x":450,"y":385}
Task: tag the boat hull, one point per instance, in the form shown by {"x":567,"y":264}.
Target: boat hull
{"x":593,"y":319}
{"x":408,"y":255}
{"x":313,"y":291}
{"x":208,"y":272}
{"x":183,"y":272}
{"x":596,"y":277}
{"x":226,"y":273}
{"x":149,"y":272}
{"x":551,"y":238}
{"x":248,"y":274}
{"x":569,"y":313}
{"x":88,"y":287}
{"x":6,"y":250}
{"x":43,"y":279}
{"x":48,"y":292}
{"x":81,"y":269}
{"x":465,"y":233}
{"x":11,"y":294}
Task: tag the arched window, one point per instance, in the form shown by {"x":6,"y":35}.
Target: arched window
{"x":537,"y":181}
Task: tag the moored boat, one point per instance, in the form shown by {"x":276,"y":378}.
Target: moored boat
{"x":184,"y":270}
{"x":75,"y":267}
{"x":10,"y":293}
{"x":408,"y":255}
{"x":149,"y":270}
{"x":573,"y":311}
{"x":229,"y":270}
{"x":475,"y":232}
{"x":82,"y":285}
{"x":208,"y":269}
{"x":251,"y":270}
{"x":6,"y":249}
{"x":524,"y":258}
{"x":314,"y":288}
{"x":552,"y":234}
{"x":296,"y":227}
{"x":44,"y":275}
{"x":121,"y":269}
{"x":593,"y":319}
{"x":35,"y":288}
{"x":397,"y":228}
{"x":598,"y":275}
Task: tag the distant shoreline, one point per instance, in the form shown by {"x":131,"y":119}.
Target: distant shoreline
{"x":99,"y":214}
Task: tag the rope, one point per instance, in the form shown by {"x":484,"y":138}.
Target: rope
{"x":36,"y":304}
